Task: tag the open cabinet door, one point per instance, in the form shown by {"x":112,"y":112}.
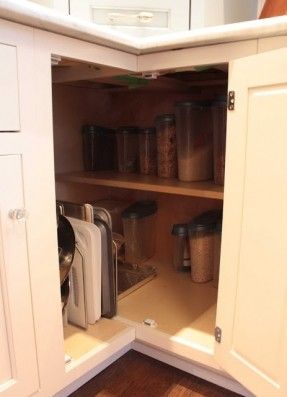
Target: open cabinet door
{"x":252,"y":302}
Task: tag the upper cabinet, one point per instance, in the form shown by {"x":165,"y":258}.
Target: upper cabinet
{"x":9,"y":100}
{"x":136,"y":17}
{"x":253,"y":281}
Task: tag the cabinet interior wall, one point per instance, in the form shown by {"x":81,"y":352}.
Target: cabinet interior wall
{"x":76,"y":105}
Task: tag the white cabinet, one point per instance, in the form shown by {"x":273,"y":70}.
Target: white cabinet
{"x":18,"y":363}
{"x":253,"y":281}
{"x":219,"y":12}
{"x":136,"y":17}
{"x":59,"y":5}
{"x":9,"y":101}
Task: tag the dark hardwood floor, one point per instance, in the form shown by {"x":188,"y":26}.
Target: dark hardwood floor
{"x":136,"y":375}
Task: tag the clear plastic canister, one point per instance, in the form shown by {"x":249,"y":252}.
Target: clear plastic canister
{"x":219,"y":138}
{"x":148,"y":151}
{"x":166,"y":146}
{"x":201,"y":231}
{"x":217,"y":249}
{"x":98,"y":148}
{"x":194,"y":141}
{"x":180,"y":257}
{"x":127,"y":149}
{"x":139,"y":231}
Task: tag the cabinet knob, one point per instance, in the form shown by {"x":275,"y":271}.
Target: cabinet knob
{"x":17,"y":214}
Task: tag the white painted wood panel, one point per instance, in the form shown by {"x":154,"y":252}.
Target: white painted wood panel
{"x":127,"y":15}
{"x":60,"y":5}
{"x":5,"y":365}
{"x":205,"y":13}
{"x":253,"y":281}
{"x":15,"y":282}
{"x":9,"y":101}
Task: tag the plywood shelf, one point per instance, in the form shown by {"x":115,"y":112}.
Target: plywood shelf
{"x":191,"y":313}
{"x":206,"y":189}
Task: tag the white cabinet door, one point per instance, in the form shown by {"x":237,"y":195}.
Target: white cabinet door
{"x":9,"y":100}
{"x":18,"y":364}
{"x":252,"y":303}
{"x":136,"y":17}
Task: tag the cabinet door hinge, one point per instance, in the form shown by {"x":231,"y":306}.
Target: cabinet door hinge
{"x":231,"y":100}
{"x":218,"y":334}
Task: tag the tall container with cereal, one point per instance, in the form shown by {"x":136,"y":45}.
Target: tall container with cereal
{"x":194,"y":141}
{"x":202,"y":239}
{"x":166,"y":146}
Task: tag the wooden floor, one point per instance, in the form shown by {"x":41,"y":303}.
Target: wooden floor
{"x":136,"y":375}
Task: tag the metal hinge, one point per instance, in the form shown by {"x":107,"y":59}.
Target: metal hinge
{"x":218,"y":334}
{"x":231,"y":100}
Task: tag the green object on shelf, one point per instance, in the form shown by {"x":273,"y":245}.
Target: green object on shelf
{"x":132,"y":81}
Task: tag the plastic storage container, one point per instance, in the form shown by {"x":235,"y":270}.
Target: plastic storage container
{"x":127,"y":149}
{"x":194,"y":141}
{"x":166,"y":146}
{"x":148,"y":151}
{"x":219,"y":107}
{"x":216,"y":251}
{"x":181,"y":256}
{"x":98,"y":148}
{"x":201,"y":233}
{"x":139,"y":231}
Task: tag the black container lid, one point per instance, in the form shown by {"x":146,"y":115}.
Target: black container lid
{"x":179,"y":229}
{"x":126,"y":129}
{"x":96,"y":129}
{"x":207,"y":221}
{"x":140,"y":209}
{"x":193,"y":104}
{"x":220,"y":100}
{"x":148,"y":130}
{"x":165,"y":117}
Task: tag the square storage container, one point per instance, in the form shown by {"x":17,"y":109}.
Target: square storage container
{"x":139,"y":231}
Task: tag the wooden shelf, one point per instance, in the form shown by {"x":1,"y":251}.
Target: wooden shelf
{"x":206,"y":189}
{"x":191,"y":314}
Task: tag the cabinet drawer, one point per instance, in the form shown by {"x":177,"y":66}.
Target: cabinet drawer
{"x":139,"y":17}
{"x":9,"y":99}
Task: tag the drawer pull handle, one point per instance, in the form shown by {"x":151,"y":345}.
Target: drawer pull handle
{"x":142,"y":17}
{"x":18,"y":214}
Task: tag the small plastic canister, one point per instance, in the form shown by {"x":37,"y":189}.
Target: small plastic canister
{"x":217,"y":249}
{"x":181,"y":258}
{"x":139,"y":231}
{"x":194,"y":141}
{"x":127,"y":149}
{"x":201,"y":232}
{"x":148,"y":151}
{"x":98,"y":148}
{"x":166,"y":146}
{"x":219,"y":138}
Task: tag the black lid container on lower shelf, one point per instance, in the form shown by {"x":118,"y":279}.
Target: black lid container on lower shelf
{"x":98,"y":148}
{"x":202,"y":231}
